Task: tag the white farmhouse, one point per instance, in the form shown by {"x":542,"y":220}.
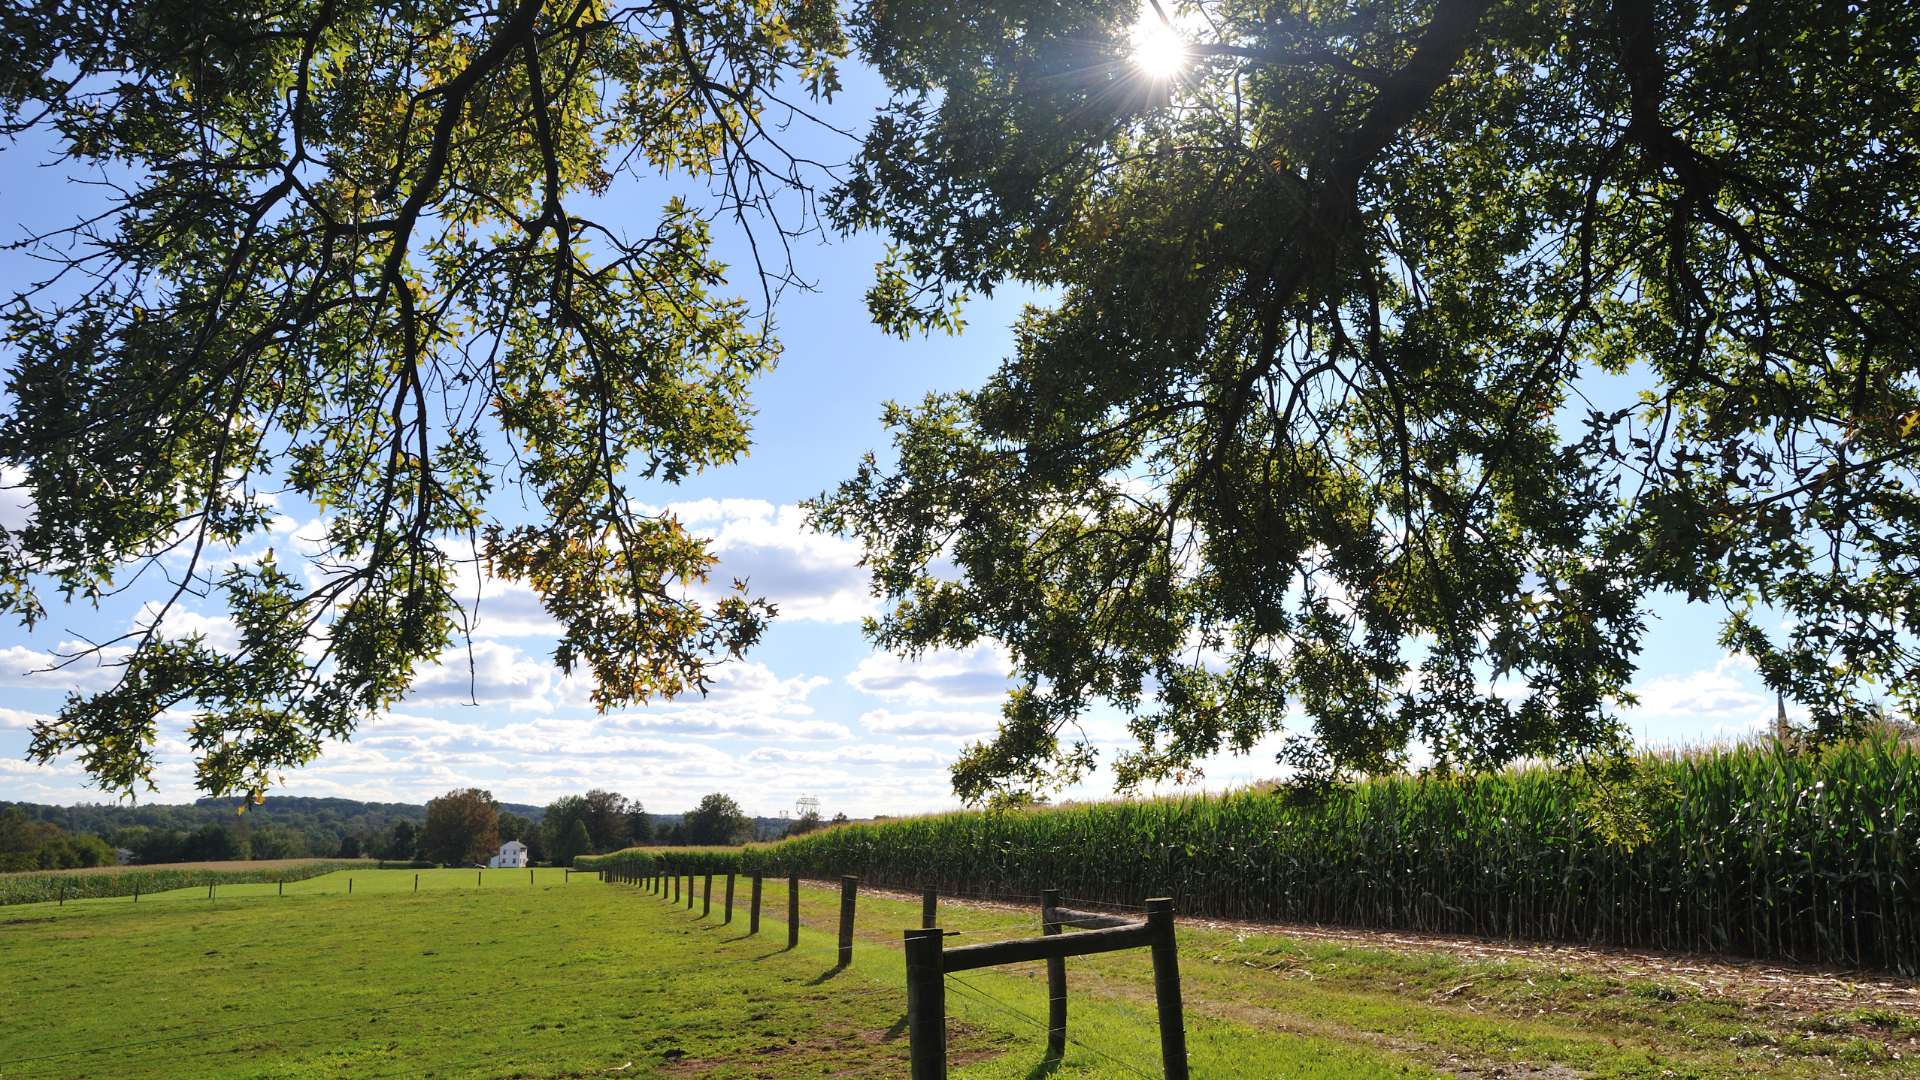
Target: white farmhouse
{"x":512,"y":853}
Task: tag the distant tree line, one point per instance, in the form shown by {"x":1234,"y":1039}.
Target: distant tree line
{"x":285,"y":827}
{"x":462,"y":827}
{"x":26,"y":844}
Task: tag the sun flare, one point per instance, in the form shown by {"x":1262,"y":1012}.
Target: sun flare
{"x":1156,"y":50}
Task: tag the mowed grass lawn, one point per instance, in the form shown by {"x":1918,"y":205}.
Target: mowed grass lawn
{"x":548,"y":978}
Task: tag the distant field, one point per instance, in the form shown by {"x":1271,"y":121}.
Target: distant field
{"x":116,"y":881}
{"x":500,"y":975}
{"x":231,"y":865}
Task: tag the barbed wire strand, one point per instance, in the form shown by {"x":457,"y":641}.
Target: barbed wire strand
{"x":1101,"y":903}
{"x":955,"y":980}
{"x":1084,"y":924}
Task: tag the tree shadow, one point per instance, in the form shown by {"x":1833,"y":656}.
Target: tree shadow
{"x":827,"y":974}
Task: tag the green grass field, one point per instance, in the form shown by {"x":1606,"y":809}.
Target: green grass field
{"x":550,"y":978}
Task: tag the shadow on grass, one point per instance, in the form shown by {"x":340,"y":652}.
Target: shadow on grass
{"x":898,"y":1029}
{"x":827,"y":974}
{"x":1045,"y":1068}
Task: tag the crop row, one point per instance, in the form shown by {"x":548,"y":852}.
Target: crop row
{"x":33,"y":888}
{"x":1751,"y":851}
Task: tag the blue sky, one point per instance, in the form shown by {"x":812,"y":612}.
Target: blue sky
{"x":813,"y":711}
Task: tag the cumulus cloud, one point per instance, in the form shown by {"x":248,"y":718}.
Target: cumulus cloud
{"x":16,"y":506}
{"x":487,"y":673}
{"x":16,"y":719}
{"x":1723,"y":692}
{"x":1725,"y":701}
{"x":689,"y":723}
{"x":217,"y":631}
{"x":930,"y":722}
{"x":33,"y":669}
{"x":870,"y":754}
{"x":942,"y":677}
{"x":812,"y":577}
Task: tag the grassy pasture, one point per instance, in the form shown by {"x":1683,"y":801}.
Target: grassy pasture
{"x":568,"y":979}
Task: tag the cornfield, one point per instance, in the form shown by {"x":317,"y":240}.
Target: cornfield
{"x":1752,"y":851}
{"x":36,"y":886}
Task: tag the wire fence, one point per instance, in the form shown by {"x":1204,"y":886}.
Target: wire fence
{"x":1013,"y":1010}
{"x":370,"y":881}
{"x":1105,"y":905}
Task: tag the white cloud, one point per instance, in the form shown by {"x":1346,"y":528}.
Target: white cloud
{"x":16,"y":506}
{"x":505,"y":609}
{"x":16,"y":719}
{"x":1717,"y":693}
{"x":941,"y":677}
{"x":752,"y":687}
{"x":218,"y":631}
{"x":487,"y":673}
{"x":761,"y":727}
{"x":865,"y":754}
{"x":930,"y":722}
{"x":812,"y":577}
{"x":36,"y":670}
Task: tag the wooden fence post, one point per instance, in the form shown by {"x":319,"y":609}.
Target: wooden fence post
{"x":676,"y":887}
{"x":1166,"y":989}
{"x":283,"y":886}
{"x":529,"y":876}
{"x":926,"y":1004}
{"x":349,"y":886}
{"x":136,"y":892}
{"x":63,"y":892}
{"x":689,"y":890}
{"x":929,"y":907}
{"x":753,"y":915}
{"x":849,"y":885}
{"x":1056,"y":978}
{"x":793,"y":911}
{"x":729,"y":915}
{"x":416,"y":884}
{"x":706,"y":896}
{"x":477,"y":875}
{"x":210,"y":888}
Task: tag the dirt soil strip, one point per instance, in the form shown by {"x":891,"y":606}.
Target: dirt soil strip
{"x":1802,"y":988}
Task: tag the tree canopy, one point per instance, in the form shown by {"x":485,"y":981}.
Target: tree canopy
{"x":346,"y":254}
{"x":463,"y":828}
{"x":717,"y":820}
{"x":1398,"y":355}
{"x":610,"y":820}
